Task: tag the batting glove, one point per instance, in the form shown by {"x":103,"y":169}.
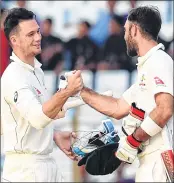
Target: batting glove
{"x":63,"y":83}
{"x":127,"y":149}
{"x":133,"y":120}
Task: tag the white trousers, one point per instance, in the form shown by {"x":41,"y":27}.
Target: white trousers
{"x":151,"y":168}
{"x":30,"y":168}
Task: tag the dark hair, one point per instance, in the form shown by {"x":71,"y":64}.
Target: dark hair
{"x":14,"y":17}
{"x":49,"y":20}
{"x":148,"y":18}
{"x":119,"y":19}
{"x":86,"y":23}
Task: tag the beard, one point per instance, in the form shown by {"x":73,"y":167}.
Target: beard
{"x":132,"y":47}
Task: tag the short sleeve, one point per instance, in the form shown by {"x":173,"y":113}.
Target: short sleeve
{"x":129,"y":95}
{"x":162,"y":76}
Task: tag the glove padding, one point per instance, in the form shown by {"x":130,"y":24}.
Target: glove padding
{"x":63,"y":82}
{"x":126,"y":152}
{"x":133,"y":120}
{"x":101,"y":161}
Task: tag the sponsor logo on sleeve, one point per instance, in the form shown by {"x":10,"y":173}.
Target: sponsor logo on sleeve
{"x":159,"y":82}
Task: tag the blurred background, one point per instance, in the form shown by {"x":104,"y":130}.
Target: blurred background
{"x":86,"y":35}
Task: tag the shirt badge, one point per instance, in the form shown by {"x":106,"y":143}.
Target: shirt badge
{"x":158,"y":81}
{"x":142,"y":81}
{"x":15,"y":96}
{"x":38,"y":91}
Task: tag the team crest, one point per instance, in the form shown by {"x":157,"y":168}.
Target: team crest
{"x":15,"y":96}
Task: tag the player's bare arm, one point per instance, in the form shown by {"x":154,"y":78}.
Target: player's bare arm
{"x":151,"y":125}
{"x":160,"y":115}
{"x":112,"y":107}
{"x":52,"y":107}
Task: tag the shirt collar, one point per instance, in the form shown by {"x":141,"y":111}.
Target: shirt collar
{"x":142,"y":59}
{"x":37,"y":64}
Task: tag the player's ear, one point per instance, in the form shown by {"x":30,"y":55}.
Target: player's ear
{"x":13,"y":40}
{"x":134,"y":30}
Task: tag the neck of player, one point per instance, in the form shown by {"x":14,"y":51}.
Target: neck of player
{"x":28,"y":59}
{"x":145,"y":46}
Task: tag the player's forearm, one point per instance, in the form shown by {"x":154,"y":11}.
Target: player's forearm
{"x":105,"y":104}
{"x":39,"y":116}
{"x":53,"y":106}
{"x":160,"y":116}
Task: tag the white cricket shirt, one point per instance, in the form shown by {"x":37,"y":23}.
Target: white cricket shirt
{"x":26,"y":128}
{"x":155,"y":75}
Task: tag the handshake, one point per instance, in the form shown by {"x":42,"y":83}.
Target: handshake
{"x":108,"y":157}
{"x":72,"y":81}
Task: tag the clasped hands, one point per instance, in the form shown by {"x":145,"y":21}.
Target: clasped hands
{"x":72,"y":81}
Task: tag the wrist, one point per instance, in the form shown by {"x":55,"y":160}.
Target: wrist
{"x":150,"y":126}
{"x":79,"y":94}
{"x":66,"y":92}
{"x":133,"y":141}
{"x":69,"y":91}
{"x":82,"y":92}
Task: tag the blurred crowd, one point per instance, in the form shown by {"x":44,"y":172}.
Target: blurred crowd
{"x":98,"y":46}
